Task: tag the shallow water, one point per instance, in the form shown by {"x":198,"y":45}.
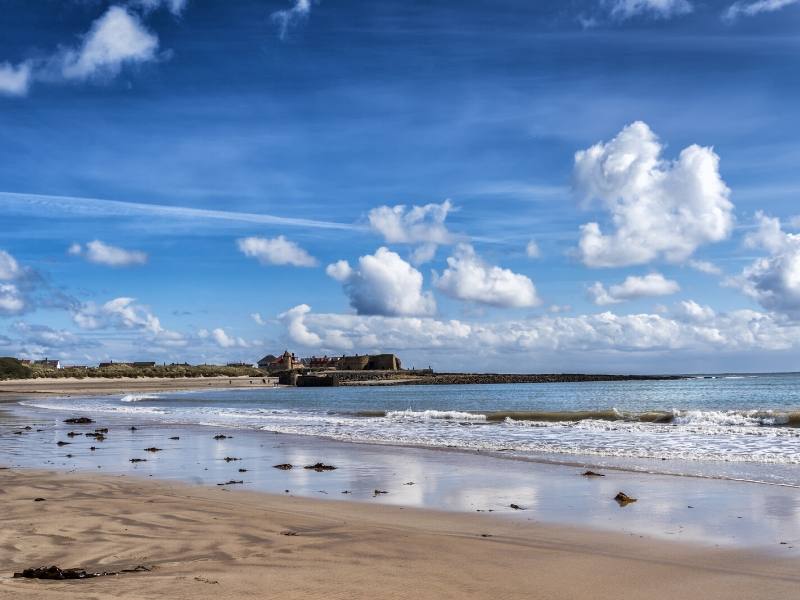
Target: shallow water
{"x":738,"y":427}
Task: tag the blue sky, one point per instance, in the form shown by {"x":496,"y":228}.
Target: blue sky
{"x":180,"y":179}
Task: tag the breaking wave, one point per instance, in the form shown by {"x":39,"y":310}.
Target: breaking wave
{"x":732,"y":418}
{"x":138,"y":397}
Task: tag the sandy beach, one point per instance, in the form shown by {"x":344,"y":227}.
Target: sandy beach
{"x":213,"y":543}
{"x":17,"y":388}
{"x":441,"y":526}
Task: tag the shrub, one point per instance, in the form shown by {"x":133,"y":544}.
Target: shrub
{"x":11,"y":368}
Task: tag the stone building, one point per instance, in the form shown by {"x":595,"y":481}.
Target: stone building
{"x":285,"y":362}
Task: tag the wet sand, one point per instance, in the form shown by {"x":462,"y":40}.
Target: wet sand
{"x":218,"y":543}
{"x":711,"y":512}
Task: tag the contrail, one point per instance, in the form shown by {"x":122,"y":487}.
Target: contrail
{"x":94,"y":207}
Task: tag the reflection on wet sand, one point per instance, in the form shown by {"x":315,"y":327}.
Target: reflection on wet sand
{"x":691,"y":509}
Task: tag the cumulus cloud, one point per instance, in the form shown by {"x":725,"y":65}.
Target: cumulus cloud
{"x":257,"y":318}
{"x":659,"y":208}
{"x":752,"y":8}
{"x":124,"y":313}
{"x":606,"y":331}
{"x":654,"y":284}
{"x":626,"y":9}
{"x":532,"y":250}
{"x":290,"y":17}
{"x":15,"y":80}
{"x":421,"y":225}
{"x":101,"y":253}
{"x":117,"y":38}
{"x":222,"y":339}
{"x":773,"y":281}
{"x":383,"y":284}
{"x":689,"y":310}
{"x":275,"y":251}
{"x":294,"y":321}
{"x":468,"y":277}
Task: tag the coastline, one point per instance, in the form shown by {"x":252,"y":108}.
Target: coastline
{"x":15,"y":389}
{"x":709,"y":511}
{"x":224,"y":543}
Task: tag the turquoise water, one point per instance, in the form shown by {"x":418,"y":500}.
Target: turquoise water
{"x":731,"y":426}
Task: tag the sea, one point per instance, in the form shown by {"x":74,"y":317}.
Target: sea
{"x":740,"y":427}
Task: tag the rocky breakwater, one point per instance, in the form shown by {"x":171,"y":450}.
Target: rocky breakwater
{"x":488,"y":378}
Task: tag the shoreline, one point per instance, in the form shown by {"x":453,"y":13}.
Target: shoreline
{"x":708,"y":510}
{"x":15,"y":389}
{"x":203,"y":542}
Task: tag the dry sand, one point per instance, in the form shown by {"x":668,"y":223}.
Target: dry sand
{"x":16,"y":388}
{"x":212,"y":543}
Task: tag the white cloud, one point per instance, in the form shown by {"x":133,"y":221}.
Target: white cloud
{"x":119,"y":313}
{"x":290,"y":17}
{"x":257,"y":318}
{"x":340,"y":270}
{"x":9,"y":267}
{"x":773,"y":281}
{"x":704,"y":266}
{"x":46,"y":337}
{"x":625,"y":9}
{"x":116,"y":38}
{"x":294,"y":320}
{"x":383,"y":284}
{"x":533,"y":250}
{"x":606,"y":331}
{"x":651,"y":285}
{"x":467,"y":277}
{"x":175,"y":6}
{"x":11,"y":299}
{"x":275,"y":251}
{"x":423,"y":225}
{"x":223,"y":340}
{"x":692,"y":311}
{"x":101,"y":253}
{"x":559,"y":308}
{"x":756,"y":7}
{"x":15,"y":81}
{"x":659,"y":209}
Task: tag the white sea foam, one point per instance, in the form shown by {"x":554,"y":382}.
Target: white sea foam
{"x":138,"y":397}
{"x":428,"y":415}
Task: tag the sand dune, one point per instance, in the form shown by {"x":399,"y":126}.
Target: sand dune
{"x":215,"y":543}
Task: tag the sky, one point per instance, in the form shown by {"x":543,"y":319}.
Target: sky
{"x":494,"y":185}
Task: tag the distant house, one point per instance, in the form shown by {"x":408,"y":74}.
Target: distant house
{"x":111,"y":363}
{"x":26,"y":361}
{"x":285,"y":362}
{"x":144,"y":364}
{"x":321,"y":362}
{"x":47,"y":363}
{"x":265,"y":362}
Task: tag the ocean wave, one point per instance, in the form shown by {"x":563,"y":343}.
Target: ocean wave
{"x":139,"y":397}
{"x":734,"y":418}
{"x":428,"y":415}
